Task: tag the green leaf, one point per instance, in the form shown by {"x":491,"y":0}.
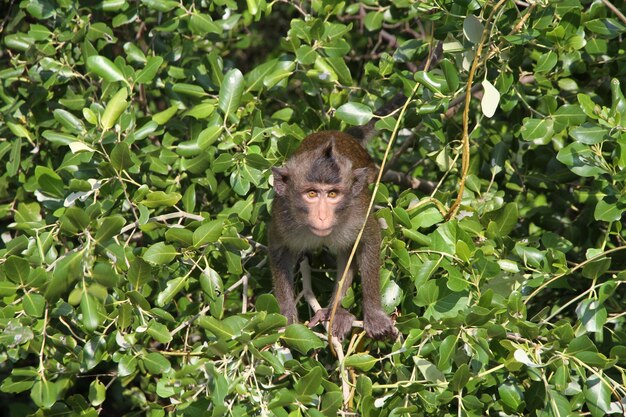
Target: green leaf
{"x":361,"y":361}
{"x":121,"y":157}
{"x":201,"y":111}
{"x":306,"y":55}
{"x":592,"y":315}
{"x":505,"y":220}
{"x":608,"y":212}
{"x":589,"y":134}
{"x":127,"y":365}
{"x":161,"y":199}
{"x":164,"y":116}
{"x":460,"y":378}
{"x":90,"y":308}
{"x":446,"y":352}
{"x":189,"y":90}
{"x":373,"y":21}
{"x":546,"y":62}
{"x":44,"y":394}
{"x":212,"y":286}
{"x":17,"y":269}
{"x":133,"y":53}
{"x":49,"y":181}
{"x":301,"y":338}
{"x":598,"y":396}
{"x":179,"y":236}
{"x":309,"y":383}
{"x":538,"y":131}
{"x":69,"y":121}
{"x":511,"y":395}
{"x":208,"y":136}
{"x":340,"y":68}
{"x":109,"y":228}
{"x":568,"y":115}
{"x":115,"y":107}
{"x":156,"y":363}
{"x":208,"y":232}
{"x":149,"y":71}
{"x":159,"y":332}
{"x":160,"y":5}
{"x":34,"y":304}
{"x":331,"y":403}
{"x":106,"y":69}
{"x":8,"y":289}
{"x":219,"y":328}
{"x":20,"y":380}
{"x":173,"y":287}
{"x":451,"y":75}
{"x":202,"y":24}
{"x":66,"y":271}
{"x":581,"y":160}
{"x":97,"y":393}
{"x":354,"y":113}
{"x":19,"y":130}
{"x":139,"y":273}
{"x":13,"y":165}
{"x":160,"y":254}
{"x":231,"y":91}
{"x":429,"y":371}
{"x":473,"y":29}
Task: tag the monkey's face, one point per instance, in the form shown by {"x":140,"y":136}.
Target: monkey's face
{"x":323,"y":203}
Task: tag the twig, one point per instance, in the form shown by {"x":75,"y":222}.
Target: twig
{"x":163,"y":218}
{"x":561,"y":275}
{"x":615,"y":10}
{"x":408,"y":181}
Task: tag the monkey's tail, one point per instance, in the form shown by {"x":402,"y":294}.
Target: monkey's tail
{"x":366,"y":132}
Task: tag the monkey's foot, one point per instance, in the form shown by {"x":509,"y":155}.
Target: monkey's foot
{"x":379,"y":325}
{"x":342,"y":322}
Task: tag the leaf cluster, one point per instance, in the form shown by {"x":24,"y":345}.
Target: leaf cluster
{"x":136,"y":141}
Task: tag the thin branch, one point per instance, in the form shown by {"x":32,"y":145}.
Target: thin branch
{"x":615,"y":10}
{"x":561,"y":275}
{"x":465,"y":143}
{"x":164,"y":218}
{"x":408,"y":181}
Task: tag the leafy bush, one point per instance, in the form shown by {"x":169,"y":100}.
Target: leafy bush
{"x":136,"y":141}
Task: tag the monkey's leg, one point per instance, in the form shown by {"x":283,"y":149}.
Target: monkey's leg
{"x":342,"y":321}
{"x":282,"y":262}
{"x":377,"y":324}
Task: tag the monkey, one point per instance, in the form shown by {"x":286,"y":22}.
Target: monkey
{"x":322,"y":200}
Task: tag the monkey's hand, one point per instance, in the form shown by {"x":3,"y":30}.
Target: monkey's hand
{"x":342,"y":322}
{"x":379,"y":325}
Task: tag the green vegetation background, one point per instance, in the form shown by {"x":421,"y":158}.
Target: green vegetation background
{"x":135,"y":145}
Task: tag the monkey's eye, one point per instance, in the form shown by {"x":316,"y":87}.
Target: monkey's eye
{"x":311,"y":194}
{"x":333,"y":194}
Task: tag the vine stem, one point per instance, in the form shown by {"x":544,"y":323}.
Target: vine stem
{"x":465,"y":144}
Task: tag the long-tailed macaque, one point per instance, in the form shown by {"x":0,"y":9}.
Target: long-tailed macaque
{"x":322,"y":199}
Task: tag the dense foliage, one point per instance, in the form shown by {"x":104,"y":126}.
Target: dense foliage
{"x":135,"y":144}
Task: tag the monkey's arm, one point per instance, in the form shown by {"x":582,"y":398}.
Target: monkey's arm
{"x":282,"y":263}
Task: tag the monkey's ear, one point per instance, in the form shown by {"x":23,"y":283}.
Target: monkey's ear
{"x":361,"y":178}
{"x":281,"y":175}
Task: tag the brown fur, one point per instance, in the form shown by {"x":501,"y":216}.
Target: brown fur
{"x":327,"y":162}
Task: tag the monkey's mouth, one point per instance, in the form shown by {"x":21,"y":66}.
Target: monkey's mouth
{"x":321,"y":232}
